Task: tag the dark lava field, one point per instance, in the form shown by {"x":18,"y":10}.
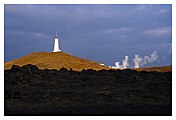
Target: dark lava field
{"x":31,"y":91}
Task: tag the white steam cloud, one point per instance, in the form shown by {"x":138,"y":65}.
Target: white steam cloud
{"x":117,"y":65}
{"x":124,"y":65}
{"x":125,"y":62}
{"x":138,"y":61}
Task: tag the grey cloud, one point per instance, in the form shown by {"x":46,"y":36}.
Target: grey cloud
{"x":160,"y":31}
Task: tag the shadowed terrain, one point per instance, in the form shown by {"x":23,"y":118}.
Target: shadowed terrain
{"x":33,"y":91}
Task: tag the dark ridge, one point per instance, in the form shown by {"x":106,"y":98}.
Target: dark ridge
{"x":32,"y":91}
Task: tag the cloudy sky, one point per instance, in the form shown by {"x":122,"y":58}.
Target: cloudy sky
{"x":102,"y":33}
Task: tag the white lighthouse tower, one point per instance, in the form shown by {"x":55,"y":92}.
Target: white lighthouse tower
{"x":56,"y":44}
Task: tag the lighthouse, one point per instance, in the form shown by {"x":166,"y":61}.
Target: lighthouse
{"x":56,"y":44}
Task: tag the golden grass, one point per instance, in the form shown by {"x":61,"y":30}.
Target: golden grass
{"x":57,"y":60}
{"x":157,"y":69}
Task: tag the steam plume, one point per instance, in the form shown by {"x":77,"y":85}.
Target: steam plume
{"x":138,"y":61}
{"x":117,"y":65}
{"x":125,"y":62}
{"x":124,"y":65}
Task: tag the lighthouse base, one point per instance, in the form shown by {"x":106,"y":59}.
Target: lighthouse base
{"x":56,"y":51}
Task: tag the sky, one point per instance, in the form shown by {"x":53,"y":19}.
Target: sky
{"x":102,"y":33}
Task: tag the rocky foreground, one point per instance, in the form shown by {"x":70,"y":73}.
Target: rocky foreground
{"x":31,"y":91}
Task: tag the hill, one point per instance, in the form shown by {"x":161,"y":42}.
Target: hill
{"x":55,"y":60}
{"x":157,"y":69}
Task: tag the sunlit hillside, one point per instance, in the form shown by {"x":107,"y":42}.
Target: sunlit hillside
{"x":55,"y":60}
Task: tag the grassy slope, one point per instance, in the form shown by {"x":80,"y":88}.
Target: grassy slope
{"x":157,"y":69}
{"x":55,"y":61}
{"x":58,"y":60}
